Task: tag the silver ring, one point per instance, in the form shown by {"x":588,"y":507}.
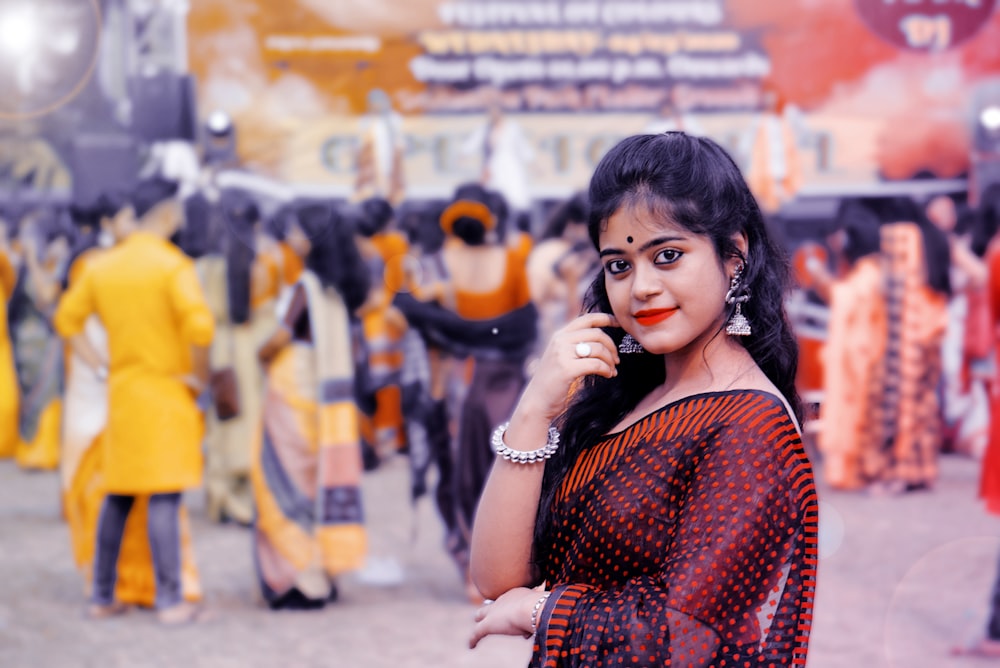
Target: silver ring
{"x":583,"y":349}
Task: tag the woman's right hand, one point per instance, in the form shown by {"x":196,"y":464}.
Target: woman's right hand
{"x":561,"y":365}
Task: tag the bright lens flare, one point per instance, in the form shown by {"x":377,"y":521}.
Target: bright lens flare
{"x":990,"y":118}
{"x":18,"y":31}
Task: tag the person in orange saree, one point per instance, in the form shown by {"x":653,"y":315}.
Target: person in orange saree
{"x":9,"y":392}
{"x":159,"y":327}
{"x":853,"y":350}
{"x":306,"y":469}
{"x":907,"y":426}
{"x":483,"y":280}
{"x":385,"y":252}
{"x":85,"y":408}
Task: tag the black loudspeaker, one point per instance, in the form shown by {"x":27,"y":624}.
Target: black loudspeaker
{"x":163,"y":107}
{"x":103,"y":162}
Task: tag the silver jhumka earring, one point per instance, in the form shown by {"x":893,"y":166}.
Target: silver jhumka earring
{"x":629,"y":346}
{"x":738,"y":324}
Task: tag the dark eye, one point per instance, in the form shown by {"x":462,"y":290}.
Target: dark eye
{"x":616,"y":266}
{"x":667,"y":256}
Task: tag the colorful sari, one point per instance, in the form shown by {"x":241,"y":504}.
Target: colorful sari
{"x":85,"y":411}
{"x":906,"y":414}
{"x":384,"y":429}
{"x":852,"y":358}
{"x":306,"y":469}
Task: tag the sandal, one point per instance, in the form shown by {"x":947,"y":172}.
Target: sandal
{"x":184,"y":612}
{"x":106,"y":611}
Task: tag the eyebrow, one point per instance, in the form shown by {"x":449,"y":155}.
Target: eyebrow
{"x":643,"y":248}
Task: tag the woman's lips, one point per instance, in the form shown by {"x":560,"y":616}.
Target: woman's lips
{"x":653,"y":316}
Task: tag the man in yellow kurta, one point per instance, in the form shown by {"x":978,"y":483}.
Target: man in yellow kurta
{"x":147,"y":295}
{"x":8,"y":378}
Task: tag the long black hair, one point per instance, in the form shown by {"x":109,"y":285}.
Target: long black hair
{"x":987,"y":219}
{"x":575,"y":210}
{"x":861,"y":229}
{"x":334,"y":256}
{"x":692,"y":182}
{"x":937,"y":249}
{"x":242,"y":215}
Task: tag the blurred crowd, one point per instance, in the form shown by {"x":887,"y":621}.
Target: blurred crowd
{"x":342,"y":334}
{"x":897,"y":312}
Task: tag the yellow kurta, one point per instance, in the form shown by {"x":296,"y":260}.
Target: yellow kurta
{"x":147,"y":295}
{"x":8,"y":377}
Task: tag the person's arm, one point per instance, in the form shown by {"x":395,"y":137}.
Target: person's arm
{"x":197,"y":324}
{"x":282,"y":336}
{"x":70,"y":318}
{"x":8,"y":275}
{"x":733,"y":540}
{"x":199,"y":368}
{"x":501,"y":543}
{"x":81,"y":345}
{"x":973,"y":267}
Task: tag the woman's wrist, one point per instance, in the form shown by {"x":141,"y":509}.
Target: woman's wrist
{"x":536,"y":611}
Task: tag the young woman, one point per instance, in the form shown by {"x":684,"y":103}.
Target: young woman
{"x":672,"y":520}
{"x":241,"y":286}
{"x":306,"y":468}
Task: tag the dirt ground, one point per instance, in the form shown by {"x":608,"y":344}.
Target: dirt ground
{"x":900,"y":581}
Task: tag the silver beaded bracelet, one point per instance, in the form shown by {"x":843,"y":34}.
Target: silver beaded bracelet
{"x":522,"y":456}
{"x":538,"y":607}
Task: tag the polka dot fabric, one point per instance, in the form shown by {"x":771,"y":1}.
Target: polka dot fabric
{"x":687,"y":539}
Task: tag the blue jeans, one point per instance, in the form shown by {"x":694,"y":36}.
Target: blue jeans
{"x":163,"y":527}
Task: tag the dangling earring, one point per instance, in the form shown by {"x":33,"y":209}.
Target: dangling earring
{"x":630,"y":346}
{"x":738,"y":324}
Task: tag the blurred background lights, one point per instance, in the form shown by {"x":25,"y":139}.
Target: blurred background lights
{"x":219,"y":122}
{"x":19,"y":30}
{"x":990,"y":118}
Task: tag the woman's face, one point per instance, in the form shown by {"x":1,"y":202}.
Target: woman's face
{"x":666,"y":285}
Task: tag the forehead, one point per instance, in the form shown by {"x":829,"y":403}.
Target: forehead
{"x":639,"y":220}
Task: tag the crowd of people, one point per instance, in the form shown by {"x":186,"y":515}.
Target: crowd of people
{"x":904,"y":369}
{"x":159,"y":340}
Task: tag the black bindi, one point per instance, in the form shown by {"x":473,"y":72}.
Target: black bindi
{"x":628,"y":239}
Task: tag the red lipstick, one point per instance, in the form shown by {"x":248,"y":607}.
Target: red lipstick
{"x":653,"y":316}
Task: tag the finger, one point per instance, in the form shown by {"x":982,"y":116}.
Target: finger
{"x":601,"y":344}
{"x":595,"y":345}
{"x":477,"y":634}
{"x":593,"y":320}
{"x":595,"y":366}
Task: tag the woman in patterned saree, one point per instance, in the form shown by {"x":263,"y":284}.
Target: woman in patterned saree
{"x":38,"y":354}
{"x":673,"y":521}
{"x":306,"y":469}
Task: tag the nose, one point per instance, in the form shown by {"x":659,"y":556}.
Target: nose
{"x":646,"y":282}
